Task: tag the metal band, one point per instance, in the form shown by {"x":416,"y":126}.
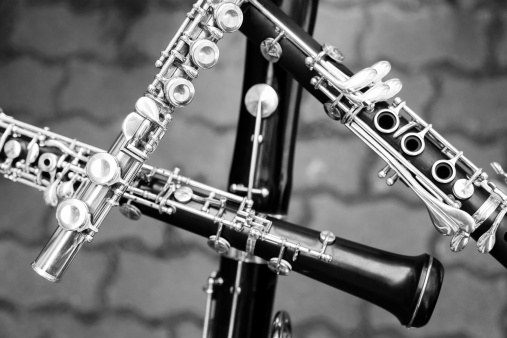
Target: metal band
{"x":253,"y":236}
{"x":419,"y":301}
{"x":486,"y":209}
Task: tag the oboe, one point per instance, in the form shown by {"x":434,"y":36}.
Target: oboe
{"x":461,"y":202}
{"x":408,"y":287}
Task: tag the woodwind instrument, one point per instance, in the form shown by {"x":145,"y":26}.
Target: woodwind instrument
{"x":461,"y":202}
{"x":408,"y":287}
{"x":261,"y":170}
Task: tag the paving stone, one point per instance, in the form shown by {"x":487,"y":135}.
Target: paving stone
{"x":67,"y":34}
{"x":21,"y":285}
{"x":432,"y":33}
{"x":502,"y":49}
{"x":154,"y":30}
{"x":307,"y":300}
{"x":201,"y":153}
{"x":156,"y":287}
{"x":466,"y":305}
{"x":85,"y":129}
{"x":340,"y":27}
{"x":417,"y":90}
{"x":64,"y":325}
{"x":105,"y":92}
{"x":186,"y":329}
{"x":480,"y":154}
{"x":321,"y":332}
{"x":15,"y":200}
{"x":482,"y":113}
{"x":332,"y":164}
{"x":299,"y":210}
{"x":29,"y":87}
{"x":117,"y":227}
{"x":384,"y":224}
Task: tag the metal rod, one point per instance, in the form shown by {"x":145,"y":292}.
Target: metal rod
{"x":235,"y":296}
{"x":255,"y":149}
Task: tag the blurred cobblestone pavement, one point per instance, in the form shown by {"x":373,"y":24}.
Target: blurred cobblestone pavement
{"x":78,"y":66}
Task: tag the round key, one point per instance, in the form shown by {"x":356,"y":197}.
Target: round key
{"x":183,"y":194}
{"x":12,"y":149}
{"x":48,"y":162}
{"x":204,"y":53}
{"x":179,"y":92}
{"x":103,"y":169}
{"x":72,"y":214}
{"x":130,"y":211}
{"x":228,"y":17}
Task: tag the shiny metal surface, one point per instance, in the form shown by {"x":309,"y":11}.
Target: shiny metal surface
{"x":233,"y":214}
{"x":419,"y":300}
{"x":261,"y":101}
{"x":271,"y":49}
{"x":109,"y":174}
{"x":204,"y":53}
{"x":487,"y":241}
{"x":263,"y":98}
{"x":58,"y":254}
{"x":281,"y":326}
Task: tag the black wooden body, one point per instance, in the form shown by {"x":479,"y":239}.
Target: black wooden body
{"x":276,"y":152}
{"x":273,"y":172}
{"x":391,"y":281}
{"x":257,"y":27}
{"x":255,"y":300}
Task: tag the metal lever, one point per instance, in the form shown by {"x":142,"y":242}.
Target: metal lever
{"x":261,"y":101}
{"x":499,"y":170}
{"x":281,"y":326}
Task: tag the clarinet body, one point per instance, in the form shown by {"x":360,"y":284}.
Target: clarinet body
{"x":408,"y":287}
{"x":405,"y":286}
{"x":461,"y":202}
{"x":266,"y":177}
{"x":273,"y":178}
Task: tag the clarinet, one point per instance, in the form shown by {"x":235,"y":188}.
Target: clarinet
{"x":108,"y":175}
{"x":408,"y":287}
{"x":261,"y":170}
{"x":461,"y":202}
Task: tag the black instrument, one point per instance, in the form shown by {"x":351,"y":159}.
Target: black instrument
{"x":251,"y":309}
{"x":258,"y":27}
{"x":408,"y":287}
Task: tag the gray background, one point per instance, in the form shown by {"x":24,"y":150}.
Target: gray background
{"x":79,"y":66}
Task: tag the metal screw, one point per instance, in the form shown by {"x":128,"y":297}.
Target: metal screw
{"x":327,"y":237}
